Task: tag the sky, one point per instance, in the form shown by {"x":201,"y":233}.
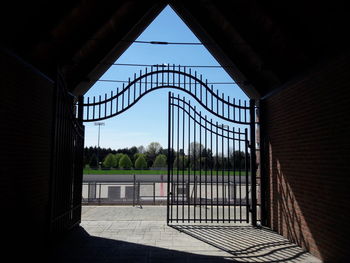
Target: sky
{"x":146,"y":121}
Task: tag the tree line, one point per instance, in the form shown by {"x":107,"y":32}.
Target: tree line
{"x":134,"y":157}
{"x":154,"y":156}
{"x":201,"y":158}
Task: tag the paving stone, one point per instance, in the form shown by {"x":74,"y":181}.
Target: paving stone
{"x":130,"y":234}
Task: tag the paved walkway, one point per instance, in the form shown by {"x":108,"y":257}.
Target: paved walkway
{"x":131,"y":234}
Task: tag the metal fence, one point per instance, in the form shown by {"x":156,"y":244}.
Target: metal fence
{"x":124,"y":193}
{"x":140,"y":192}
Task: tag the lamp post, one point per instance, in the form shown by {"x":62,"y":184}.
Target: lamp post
{"x":99,"y":124}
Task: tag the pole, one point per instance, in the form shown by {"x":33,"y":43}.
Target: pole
{"x":99,"y":124}
{"x":134,"y":189}
{"x":98,"y":143}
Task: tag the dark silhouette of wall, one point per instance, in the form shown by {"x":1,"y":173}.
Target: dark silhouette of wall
{"x":25,"y":134}
{"x":307,"y":137}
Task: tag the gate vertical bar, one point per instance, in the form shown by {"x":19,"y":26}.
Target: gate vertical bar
{"x":169,"y":158}
{"x":183,"y":161}
{"x":223,"y":173}
{"x":240,"y":175}
{"x":177,"y":158}
{"x":253,"y":160}
{"x":211,"y":170}
{"x":234,"y":173}
{"x":206,"y":171}
{"x":200,"y":164}
{"x":189,"y":164}
{"x":246,"y":172}
{"x":228,"y":174}
{"x":217,"y":173}
{"x":172,"y":190}
{"x":194,"y":164}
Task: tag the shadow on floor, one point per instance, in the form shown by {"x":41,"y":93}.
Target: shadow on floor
{"x":79,"y":246}
{"x":248,"y":244}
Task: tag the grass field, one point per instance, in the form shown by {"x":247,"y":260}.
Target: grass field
{"x":89,"y":171}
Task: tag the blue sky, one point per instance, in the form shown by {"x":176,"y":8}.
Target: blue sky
{"x":146,"y":121}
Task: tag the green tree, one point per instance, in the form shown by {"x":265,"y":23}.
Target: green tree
{"x":137,"y":155}
{"x":196,"y":151}
{"x":140,"y":162}
{"x":153,"y":149}
{"x":141,"y":149}
{"x":93,"y":161}
{"x":238,"y":158}
{"x":160,"y":161}
{"x":125,"y":162}
{"x":132,"y":151}
{"x":110,"y":161}
{"x":118,"y":156}
{"x":181,"y":163}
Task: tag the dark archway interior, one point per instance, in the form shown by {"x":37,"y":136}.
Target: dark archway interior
{"x":292,"y":56}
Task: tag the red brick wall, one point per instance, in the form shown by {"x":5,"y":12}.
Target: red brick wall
{"x":307,"y":134}
{"x":25,"y":138}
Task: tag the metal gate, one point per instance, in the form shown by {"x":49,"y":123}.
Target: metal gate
{"x":67,"y":161}
{"x":215,"y":183}
{"x":211,"y":176}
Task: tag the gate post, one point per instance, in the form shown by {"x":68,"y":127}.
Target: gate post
{"x":253,"y":160}
{"x":133,"y":191}
{"x":80,"y":109}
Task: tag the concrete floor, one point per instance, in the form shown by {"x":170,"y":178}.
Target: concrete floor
{"x":132,"y":234}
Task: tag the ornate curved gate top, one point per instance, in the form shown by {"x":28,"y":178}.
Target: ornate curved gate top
{"x":158,"y":77}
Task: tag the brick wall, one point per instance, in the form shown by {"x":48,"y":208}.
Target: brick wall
{"x":307,"y":137}
{"x":25,"y":136}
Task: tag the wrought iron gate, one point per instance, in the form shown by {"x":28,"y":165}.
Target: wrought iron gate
{"x":67,"y":161}
{"x":208,"y":189}
{"x":210,"y":166}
